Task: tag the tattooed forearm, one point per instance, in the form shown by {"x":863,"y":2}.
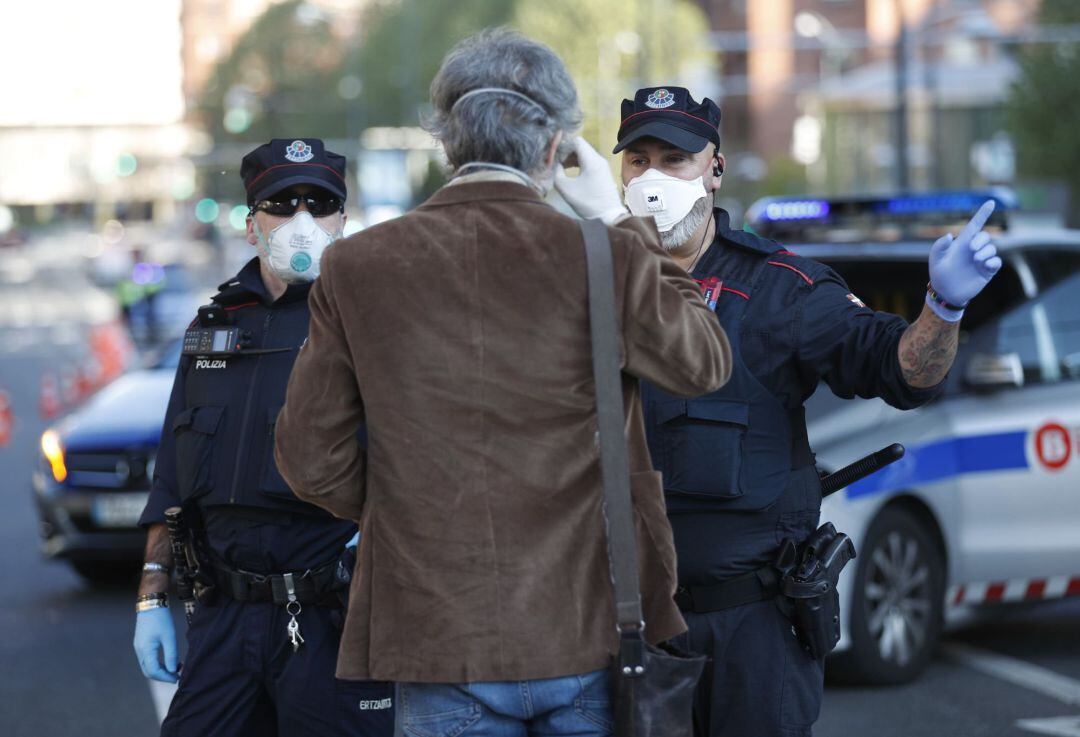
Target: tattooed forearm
{"x":927,"y":349}
{"x":157,"y":551}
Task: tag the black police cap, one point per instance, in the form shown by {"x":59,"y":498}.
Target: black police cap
{"x":284,"y":162}
{"x":672,"y":115}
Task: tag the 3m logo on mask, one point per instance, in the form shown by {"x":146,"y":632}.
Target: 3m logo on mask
{"x":654,"y":200}
{"x":375,"y":704}
{"x":211,"y":363}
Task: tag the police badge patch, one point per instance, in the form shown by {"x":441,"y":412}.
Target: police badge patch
{"x":660,"y":99}
{"x":299,"y":152}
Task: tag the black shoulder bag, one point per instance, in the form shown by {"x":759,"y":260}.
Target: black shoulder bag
{"x":652,"y":688}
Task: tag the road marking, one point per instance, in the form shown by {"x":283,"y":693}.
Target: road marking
{"x":162,"y":694}
{"x":1056,"y":726}
{"x":1029,"y":676}
{"x":1017,"y":672}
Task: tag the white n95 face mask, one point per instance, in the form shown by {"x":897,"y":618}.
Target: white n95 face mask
{"x":293,"y":249}
{"x":666,"y":198}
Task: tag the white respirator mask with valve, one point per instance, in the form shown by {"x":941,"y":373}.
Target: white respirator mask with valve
{"x":666,"y":198}
{"x":294,"y":249}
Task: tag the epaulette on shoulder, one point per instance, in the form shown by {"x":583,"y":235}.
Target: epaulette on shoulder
{"x":232,"y":293}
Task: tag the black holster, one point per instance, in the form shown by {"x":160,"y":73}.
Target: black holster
{"x":809,"y":573}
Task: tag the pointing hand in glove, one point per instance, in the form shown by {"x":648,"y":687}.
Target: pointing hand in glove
{"x":960,"y":267}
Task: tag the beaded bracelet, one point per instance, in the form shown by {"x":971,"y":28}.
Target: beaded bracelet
{"x":941,"y":300}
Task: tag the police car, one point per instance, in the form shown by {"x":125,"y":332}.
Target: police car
{"x":93,"y":474}
{"x":984,"y":508}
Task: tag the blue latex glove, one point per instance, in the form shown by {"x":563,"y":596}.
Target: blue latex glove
{"x":155,"y":640}
{"x":960,"y":267}
{"x":354,"y":540}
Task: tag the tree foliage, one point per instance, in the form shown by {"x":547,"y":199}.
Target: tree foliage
{"x":400,"y":47}
{"x":1044,"y":105}
{"x":613,"y":47}
{"x":286,"y":72}
{"x":281,"y":79}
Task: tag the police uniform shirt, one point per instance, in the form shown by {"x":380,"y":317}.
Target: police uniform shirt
{"x":797,"y":325}
{"x":222,"y":414}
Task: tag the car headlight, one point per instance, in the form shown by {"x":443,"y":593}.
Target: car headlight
{"x":54,"y":454}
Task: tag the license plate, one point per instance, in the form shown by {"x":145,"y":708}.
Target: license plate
{"x":119,"y":510}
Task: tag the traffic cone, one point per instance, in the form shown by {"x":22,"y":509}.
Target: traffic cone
{"x":49,"y":402}
{"x":84,"y":387}
{"x":7,"y":419}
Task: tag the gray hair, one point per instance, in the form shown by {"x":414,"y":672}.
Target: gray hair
{"x":680,"y":233}
{"x":503,"y":128}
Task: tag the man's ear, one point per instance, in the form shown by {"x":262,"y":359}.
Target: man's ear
{"x":252,"y":238}
{"x":714,"y":178}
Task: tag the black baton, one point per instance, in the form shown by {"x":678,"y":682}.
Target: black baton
{"x":185,"y":576}
{"x":860,"y":469}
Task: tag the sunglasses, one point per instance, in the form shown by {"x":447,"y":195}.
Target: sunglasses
{"x":318,"y":205}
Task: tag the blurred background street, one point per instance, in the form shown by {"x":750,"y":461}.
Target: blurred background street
{"x":121,"y":209}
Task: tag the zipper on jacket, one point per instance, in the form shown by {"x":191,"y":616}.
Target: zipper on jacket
{"x":241,"y":451}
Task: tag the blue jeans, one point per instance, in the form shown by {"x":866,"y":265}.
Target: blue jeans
{"x":570,"y":706}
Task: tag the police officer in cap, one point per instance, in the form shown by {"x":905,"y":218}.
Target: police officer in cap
{"x":738,"y":473}
{"x":263,"y":640}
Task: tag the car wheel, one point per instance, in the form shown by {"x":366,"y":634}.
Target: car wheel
{"x":896,"y":605}
{"x":105,"y":573}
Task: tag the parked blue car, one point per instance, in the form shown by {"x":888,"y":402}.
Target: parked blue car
{"x":94,"y":472}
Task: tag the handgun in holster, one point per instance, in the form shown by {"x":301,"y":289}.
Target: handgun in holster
{"x":808,"y":576}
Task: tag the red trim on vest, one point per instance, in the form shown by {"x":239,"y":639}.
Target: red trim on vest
{"x":230,"y":308}
{"x":805,"y":278}
{"x":744,"y":295}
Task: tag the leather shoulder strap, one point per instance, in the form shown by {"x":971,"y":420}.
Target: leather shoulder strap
{"x":614,"y":458}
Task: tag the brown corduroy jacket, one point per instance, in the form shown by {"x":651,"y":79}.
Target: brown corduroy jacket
{"x":459,"y":333}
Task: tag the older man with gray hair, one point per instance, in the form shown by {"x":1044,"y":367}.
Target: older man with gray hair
{"x":459,"y":333}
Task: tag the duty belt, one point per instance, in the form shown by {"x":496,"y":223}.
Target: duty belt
{"x":757,"y":585}
{"x":311,"y":586}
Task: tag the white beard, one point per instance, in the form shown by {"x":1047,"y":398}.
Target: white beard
{"x":680,"y":233}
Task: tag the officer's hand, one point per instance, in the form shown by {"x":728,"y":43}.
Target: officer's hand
{"x":592,"y":193}
{"x":960,"y":267}
{"x":155,"y":641}
{"x":354,"y":540}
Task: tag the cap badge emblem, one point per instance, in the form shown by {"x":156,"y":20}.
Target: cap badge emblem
{"x":659,"y":99}
{"x":299,"y":152}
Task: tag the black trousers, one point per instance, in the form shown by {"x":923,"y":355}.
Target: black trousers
{"x":759,"y":682}
{"x":241,"y":678}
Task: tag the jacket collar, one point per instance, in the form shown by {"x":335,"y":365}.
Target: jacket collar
{"x":483,"y":191}
{"x":248,"y":285}
{"x":727,"y":240}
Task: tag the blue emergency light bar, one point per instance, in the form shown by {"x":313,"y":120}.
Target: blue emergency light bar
{"x":872,"y":218}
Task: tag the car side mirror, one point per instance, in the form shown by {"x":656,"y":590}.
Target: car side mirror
{"x":994,"y":371}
